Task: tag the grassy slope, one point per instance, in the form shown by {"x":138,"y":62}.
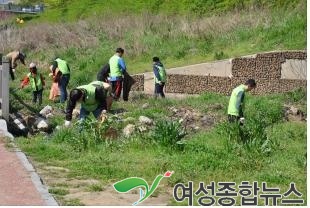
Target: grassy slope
{"x":207,"y":156}
{"x":71,"y":10}
{"x":278,"y":28}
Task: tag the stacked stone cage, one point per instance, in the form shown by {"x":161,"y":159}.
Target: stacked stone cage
{"x":265,"y":68}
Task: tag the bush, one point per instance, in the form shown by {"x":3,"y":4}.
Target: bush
{"x":296,"y":95}
{"x":85,"y":135}
{"x":168,"y":133}
{"x":253,"y":135}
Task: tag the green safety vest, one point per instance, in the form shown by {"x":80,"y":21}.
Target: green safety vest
{"x":162,"y":74}
{"x":115,"y":70}
{"x":232,"y":108}
{"x":99,"y":84}
{"x":35,"y":82}
{"x":62,"y":65}
{"x":90,"y":103}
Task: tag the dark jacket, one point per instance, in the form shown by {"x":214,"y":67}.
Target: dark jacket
{"x":127,"y":84}
{"x":103,"y":74}
{"x":155,"y":70}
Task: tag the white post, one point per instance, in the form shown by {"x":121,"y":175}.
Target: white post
{"x":5,"y":89}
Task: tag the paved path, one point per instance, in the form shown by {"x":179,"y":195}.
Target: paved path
{"x":217,"y":68}
{"x":16,"y":186}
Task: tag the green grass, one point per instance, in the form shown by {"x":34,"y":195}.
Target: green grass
{"x":203,"y":156}
{"x":275,"y":151}
{"x":95,"y":188}
{"x":77,"y":9}
{"x":177,"y":39}
{"x":58,"y":191}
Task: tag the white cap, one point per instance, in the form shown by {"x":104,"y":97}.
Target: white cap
{"x":32,"y":65}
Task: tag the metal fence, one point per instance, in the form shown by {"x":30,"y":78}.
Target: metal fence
{"x":4,"y":88}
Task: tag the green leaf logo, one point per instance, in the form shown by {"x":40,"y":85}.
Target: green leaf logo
{"x":128,"y":184}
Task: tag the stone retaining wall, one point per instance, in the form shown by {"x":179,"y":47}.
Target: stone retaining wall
{"x":264,"y":68}
{"x":139,"y":84}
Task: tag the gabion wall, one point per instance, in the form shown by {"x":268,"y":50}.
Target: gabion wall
{"x":264,"y":68}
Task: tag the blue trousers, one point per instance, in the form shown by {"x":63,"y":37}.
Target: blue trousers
{"x":63,"y":83}
{"x":84,"y":113}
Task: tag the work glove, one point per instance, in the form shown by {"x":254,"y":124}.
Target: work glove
{"x":67,"y":124}
{"x":242,"y":120}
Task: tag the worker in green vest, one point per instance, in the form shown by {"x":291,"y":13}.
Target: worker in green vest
{"x":159,"y":77}
{"x":94,"y":97}
{"x":117,"y":69}
{"x":36,"y":81}
{"x":237,"y":101}
{"x":64,"y":74}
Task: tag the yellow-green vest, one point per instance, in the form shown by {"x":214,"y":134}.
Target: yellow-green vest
{"x":162,"y":74}
{"x":99,"y":84}
{"x":90,"y":103}
{"x":232,"y":108}
{"x":62,"y":65}
{"x":115,"y":70}
{"x":35,"y":82}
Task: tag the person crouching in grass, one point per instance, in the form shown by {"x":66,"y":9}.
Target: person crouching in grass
{"x":36,"y":81}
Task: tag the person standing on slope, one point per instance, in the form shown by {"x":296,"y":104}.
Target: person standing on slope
{"x":160,"y":77}
{"x":64,"y":77}
{"x":237,"y":101}
{"x":117,"y":69}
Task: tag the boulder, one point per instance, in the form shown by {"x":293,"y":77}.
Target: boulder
{"x":50,"y":115}
{"x":42,"y":125}
{"x":129,"y":119}
{"x":207,"y":120}
{"x":3,"y":126}
{"x":128,"y":130}
{"x":145,"y":120}
{"x":145,"y":105}
{"x":30,"y":120}
{"x":46,"y":110}
{"x":294,"y":111}
{"x":142,"y":129}
{"x":4,"y":130}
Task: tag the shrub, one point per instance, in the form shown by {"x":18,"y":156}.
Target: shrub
{"x":168,"y":133}
{"x":296,"y":95}
{"x":85,"y":135}
{"x":253,"y":135}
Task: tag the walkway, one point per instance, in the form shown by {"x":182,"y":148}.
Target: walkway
{"x":16,"y":185}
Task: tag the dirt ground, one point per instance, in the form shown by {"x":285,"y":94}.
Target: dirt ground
{"x":80,"y":191}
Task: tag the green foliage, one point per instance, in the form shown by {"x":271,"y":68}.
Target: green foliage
{"x":220,"y":55}
{"x":95,"y":188}
{"x":273,"y":152}
{"x":253,"y":135}
{"x":72,"y":202}
{"x":58,"y":191}
{"x":296,"y":95}
{"x":85,"y":134}
{"x":168,"y":133}
{"x":73,"y":9}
